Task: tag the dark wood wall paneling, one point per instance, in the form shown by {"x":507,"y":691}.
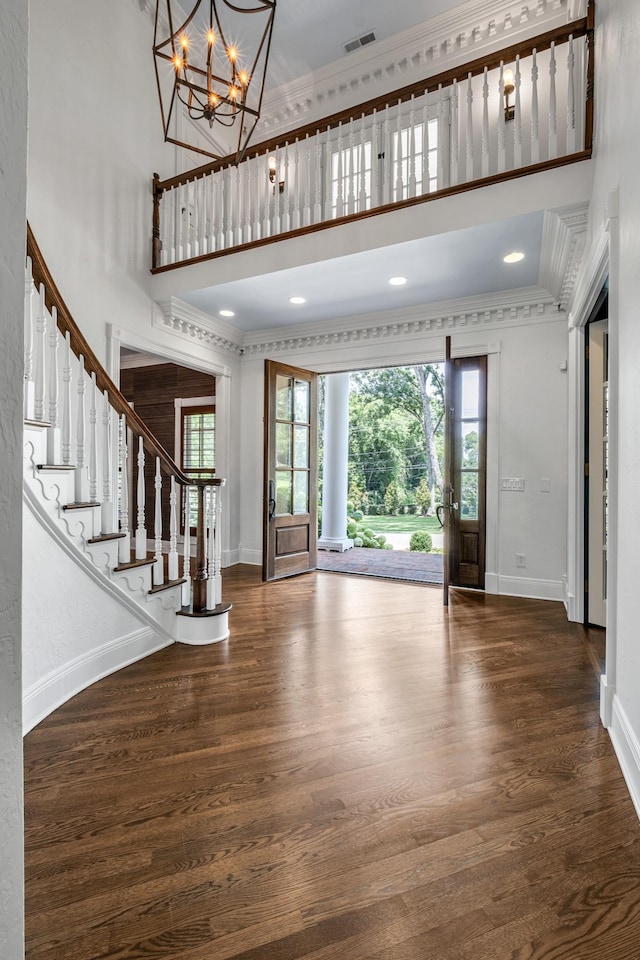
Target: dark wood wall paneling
{"x":153,"y":391}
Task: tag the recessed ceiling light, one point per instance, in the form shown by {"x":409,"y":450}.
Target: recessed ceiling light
{"x":226,"y":313}
{"x":514,"y":257}
{"x":397,"y":281}
{"x":297,"y":300}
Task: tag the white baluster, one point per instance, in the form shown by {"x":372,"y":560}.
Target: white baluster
{"x":571,"y":99}
{"x":211,"y":546}
{"x":317,"y":206}
{"x":217,"y":572}
{"x":82,"y":472}
{"x":485,"y":124}
{"x":306,"y":209}
{"x":297,"y":192}
{"x":29,"y":392}
{"x":40,"y":351}
{"x":553,"y":110}
{"x":229,"y":211}
{"x":141,"y":533}
{"x":195,"y":219}
{"x":124,"y":544}
{"x":66,"y":403}
{"x":455,"y":134}
{"x":186,"y":566}
{"x":413,"y":182}
{"x":502,"y":156}
{"x":387,"y":161}
{"x":240,"y":212}
{"x":158,"y":566}
{"x":425,"y":144}
{"x":54,"y":440}
{"x":517,"y":120}
{"x":221,"y":193}
{"x":93,"y":442}
{"x":173,"y":532}
{"x":399,"y":185}
{"x":265,"y":191}
{"x":442,"y":182}
{"x":106,"y":510}
{"x":351,"y":195}
{"x":339,"y":187}
{"x":286,"y":200}
{"x":277,"y":196}
{"x":535,"y":123}
{"x":362,"y":169}
{"x":469,"y":133}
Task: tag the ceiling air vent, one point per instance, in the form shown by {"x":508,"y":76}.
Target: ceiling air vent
{"x":362,"y":41}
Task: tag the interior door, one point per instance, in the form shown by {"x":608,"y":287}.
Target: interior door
{"x":291,"y":471}
{"x":465,"y":501}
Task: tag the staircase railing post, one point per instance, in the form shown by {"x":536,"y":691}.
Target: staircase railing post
{"x":200,"y":578}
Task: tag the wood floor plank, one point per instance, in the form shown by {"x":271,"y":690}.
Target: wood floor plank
{"x":357,"y":774}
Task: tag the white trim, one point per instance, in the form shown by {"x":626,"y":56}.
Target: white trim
{"x":195,"y":359}
{"x":179,"y":403}
{"x":253,"y":557}
{"x":627,"y":748}
{"x":523,"y":587}
{"x":47,"y":694}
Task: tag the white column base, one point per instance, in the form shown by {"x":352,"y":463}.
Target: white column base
{"x":339,"y":544}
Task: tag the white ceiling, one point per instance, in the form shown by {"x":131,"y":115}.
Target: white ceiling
{"x":308,"y":34}
{"x":461,"y":263}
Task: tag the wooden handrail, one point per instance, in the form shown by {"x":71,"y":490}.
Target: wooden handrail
{"x":577,"y":28}
{"x":80,"y":346}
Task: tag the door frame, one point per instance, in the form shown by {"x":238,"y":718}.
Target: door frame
{"x":601,"y":262}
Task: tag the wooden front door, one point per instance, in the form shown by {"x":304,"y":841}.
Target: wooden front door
{"x":467,"y":435}
{"x":291,"y":471}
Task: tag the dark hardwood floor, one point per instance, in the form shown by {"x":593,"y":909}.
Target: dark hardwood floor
{"x":355,"y":775}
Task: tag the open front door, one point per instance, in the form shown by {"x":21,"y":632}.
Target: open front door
{"x":463,"y":510}
{"x":291,"y":471}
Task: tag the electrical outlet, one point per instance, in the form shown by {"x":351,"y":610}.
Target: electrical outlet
{"x":521,"y":560}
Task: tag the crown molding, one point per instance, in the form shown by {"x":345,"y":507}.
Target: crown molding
{"x":456,"y":36}
{"x":524,"y":306}
{"x":563,"y":246}
{"x":189,"y":323}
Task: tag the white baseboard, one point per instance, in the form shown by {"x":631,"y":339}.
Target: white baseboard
{"x":607,"y":693}
{"x":524,"y":587}
{"x":250,"y":556}
{"x":44,"y":696}
{"x":627,"y":748}
{"x":230,"y":557}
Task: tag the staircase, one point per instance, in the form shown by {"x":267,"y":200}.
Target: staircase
{"x":86,"y":459}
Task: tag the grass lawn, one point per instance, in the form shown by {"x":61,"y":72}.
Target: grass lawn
{"x":406,"y":523}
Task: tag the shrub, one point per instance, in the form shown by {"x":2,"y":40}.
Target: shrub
{"x":392,"y":497}
{"x":388,"y":546}
{"x":350,"y":507}
{"x":381,"y":539}
{"x":420,"y":542}
{"x":352,"y":528}
{"x":368,"y":533}
{"x":423,"y":496}
{"x":357,"y":542}
{"x":412,"y":508}
{"x":358,"y":515}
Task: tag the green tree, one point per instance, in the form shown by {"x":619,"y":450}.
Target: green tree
{"x":423,"y":496}
{"x":392,"y":497}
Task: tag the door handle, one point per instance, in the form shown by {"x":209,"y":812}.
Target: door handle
{"x":272,"y":499}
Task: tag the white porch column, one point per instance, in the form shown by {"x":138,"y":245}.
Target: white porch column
{"x":336,"y":464}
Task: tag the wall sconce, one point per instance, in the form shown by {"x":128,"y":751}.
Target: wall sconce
{"x":272,"y":169}
{"x":509,"y":87}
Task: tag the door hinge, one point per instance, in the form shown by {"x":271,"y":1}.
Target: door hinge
{"x":586,"y":586}
{"x":586,"y":469}
{"x":586,"y":352}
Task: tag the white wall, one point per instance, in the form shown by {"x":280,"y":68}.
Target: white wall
{"x":95,"y":140}
{"x":528,"y":410}
{"x":617,"y":142}
{"x":13,"y":161}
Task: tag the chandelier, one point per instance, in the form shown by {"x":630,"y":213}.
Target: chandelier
{"x":211,"y":66}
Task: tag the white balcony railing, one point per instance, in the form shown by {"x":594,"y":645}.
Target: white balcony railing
{"x":455,"y":130}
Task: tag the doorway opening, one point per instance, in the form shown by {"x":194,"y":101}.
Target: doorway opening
{"x":395,"y":474}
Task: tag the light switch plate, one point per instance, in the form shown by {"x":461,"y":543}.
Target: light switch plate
{"x":512,"y":483}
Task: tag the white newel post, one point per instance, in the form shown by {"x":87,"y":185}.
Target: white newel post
{"x":82,"y":472}
{"x":335,"y":471}
{"x":186,"y":568}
